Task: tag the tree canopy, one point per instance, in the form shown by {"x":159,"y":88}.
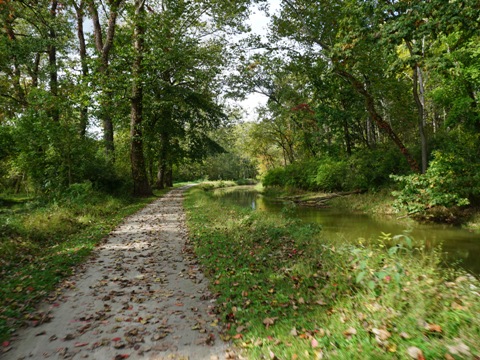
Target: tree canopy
{"x":131,"y":94}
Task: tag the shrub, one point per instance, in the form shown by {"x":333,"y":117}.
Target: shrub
{"x":275,"y":177}
{"x":452,"y":180}
{"x":332,"y":175}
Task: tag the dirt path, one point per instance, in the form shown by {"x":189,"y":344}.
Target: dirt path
{"x":141,"y":296}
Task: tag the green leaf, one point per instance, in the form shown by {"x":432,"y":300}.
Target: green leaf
{"x":381,"y":275}
{"x":360,"y":277}
{"x":371,"y":285}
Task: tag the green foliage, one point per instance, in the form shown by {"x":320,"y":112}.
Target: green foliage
{"x":452,"y":179}
{"x":364,"y":170}
{"x":332,"y":175}
{"x":370,"y":169}
{"x":300,"y":175}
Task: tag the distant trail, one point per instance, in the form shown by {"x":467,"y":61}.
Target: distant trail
{"x":140,"y":296}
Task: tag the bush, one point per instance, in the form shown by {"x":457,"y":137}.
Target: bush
{"x":368,"y":169}
{"x":371,"y":168}
{"x":275,"y":177}
{"x":332,"y":175}
{"x":452,"y":180}
{"x":298,"y":175}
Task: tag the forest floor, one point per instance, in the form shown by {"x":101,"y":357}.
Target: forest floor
{"x":140,"y":295}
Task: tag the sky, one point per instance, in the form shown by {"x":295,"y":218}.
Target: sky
{"x":259,"y":24}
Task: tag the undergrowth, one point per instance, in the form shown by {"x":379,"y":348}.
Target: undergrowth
{"x":285,"y":292}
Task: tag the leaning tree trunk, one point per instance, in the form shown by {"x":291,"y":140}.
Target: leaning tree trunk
{"x":377,"y":118}
{"x":141,"y":186}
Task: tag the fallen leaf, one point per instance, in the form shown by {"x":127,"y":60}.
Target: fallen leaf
{"x":269,"y":321}
{"x":434,"y":328}
{"x":404,"y":335}
{"x":392,"y":348}
{"x":350,"y":331}
{"x":6,"y":343}
{"x":240,"y":329}
{"x":69,"y":337}
{"x":121,"y":356}
{"x":381,"y":334}
{"x":318,"y":355}
{"x":314,"y":343}
{"x":237,"y":336}
{"x":415,"y":353}
{"x":301,"y":300}
{"x":457,"y":306}
{"x":272,"y":355}
{"x":80,"y":344}
{"x":459,"y":349}
{"x":449,"y":357}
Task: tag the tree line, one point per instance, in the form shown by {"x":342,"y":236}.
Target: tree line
{"x":113,"y":92}
{"x":361,"y":94}
{"x":365,"y":93}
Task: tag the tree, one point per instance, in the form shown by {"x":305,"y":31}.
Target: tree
{"x":103,"y":44}
{"x":141,"y":186}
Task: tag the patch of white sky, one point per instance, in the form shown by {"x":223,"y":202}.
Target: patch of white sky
{"x":259,"y":22}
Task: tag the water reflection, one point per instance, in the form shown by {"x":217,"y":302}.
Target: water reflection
{"x":460,"y":246}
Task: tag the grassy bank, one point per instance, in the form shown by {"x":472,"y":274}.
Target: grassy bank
{"x":285,"y":292}
{"x":41,"y":243}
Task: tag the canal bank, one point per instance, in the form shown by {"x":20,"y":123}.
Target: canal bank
{"x":286,"y":290}
{"x":339,"y":223}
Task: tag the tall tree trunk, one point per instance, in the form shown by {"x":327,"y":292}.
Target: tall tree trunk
{"x":34,"y":71}
{"x":163,"y":160}
{"x":52,"y":62}
{"x":419,"y":97}
{"x":382,"y":124}
{"x":103,"y":48}
{"x":141,"y":186}
{"x":80,"y":9}
{"x":169,"y":176}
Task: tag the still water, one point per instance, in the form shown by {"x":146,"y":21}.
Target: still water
{"x":461,"y":247}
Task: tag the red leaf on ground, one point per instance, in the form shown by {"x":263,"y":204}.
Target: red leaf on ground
{"x":6,"y":343}
{"x":80,"y":344}
{"x":117,"y":339}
